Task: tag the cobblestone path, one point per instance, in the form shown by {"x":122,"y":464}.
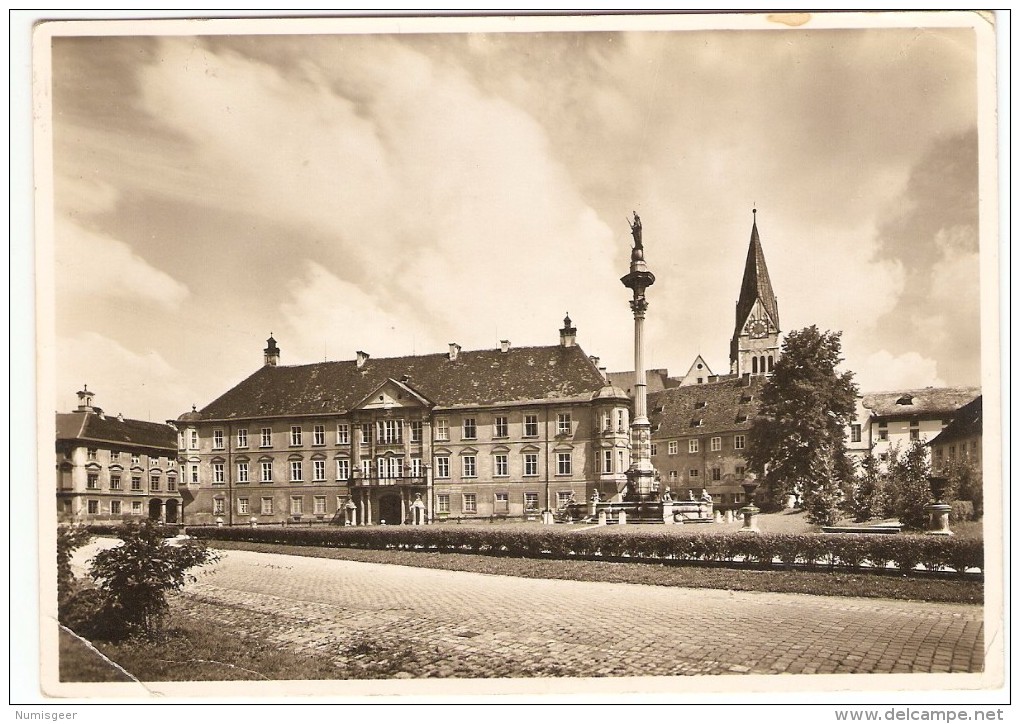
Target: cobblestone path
{"x":456,"y":624}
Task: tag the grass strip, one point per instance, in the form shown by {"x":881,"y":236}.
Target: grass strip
{"x":817,"y":583}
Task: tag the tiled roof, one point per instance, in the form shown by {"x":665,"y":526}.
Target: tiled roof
{"x":719,"y":406}
{"x":966,"y":423}
{"x":480,"y":377}
{"x":755,"y":284}
{"x":89,"y":426}
{"x":928,"y":401}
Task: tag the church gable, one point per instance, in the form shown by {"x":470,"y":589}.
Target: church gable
{"x":698,"y":373}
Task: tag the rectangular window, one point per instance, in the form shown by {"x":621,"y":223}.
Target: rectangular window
{"x":242,"y":472}
{"x":563,"y":498}
{"x":531,"y":502}
{"x":267,"y":506}
{"x":716,"y":444}
{"x":242,"y":437}
{"x":564,"y":466}
{"x":318,"y":470}
{"x":93,"y":507}
{"x":442,"y":429}
{"x":415,"y":430}
{"x":674,"y":447}
{"x":319,"y":435}
{"x":267,"y":437}
{"x":500,"y":427}
{"x":171,"y":484}
{"x":654,"y":449}
{"x":136,"y":507}
{"x":382,"y":467}
{"x":267,"y":471}
{"x":531,"y":426}
{"x":716,"y":474}
{"x":470,"y":503}
{"x":115,"y":455}
{"x":297,"y":505}
{"x":390,"y":432}
{"x":135,"y":459}
{"x":114,"y":507}
{"x":607,"y":461}
{"x":443,"y":503}
{"x":366,"y":434}
{"x":194,"y":474}
{"x":694,"y":472}
{"x":242,"y":506}
{"x":153,"y":482}
{"x":396,"y":467}
{"x":218,"y":506}
{"x":296,"y":475}
{"x":855,"y":433}
{"x":136,"y":482}
{"x":501,"y":465}
{"x":470,"y":468}
{"x":343,"y":433}
{"x":416,"y":467}
{"x":343,"y":469}
{"x":470,"y":428}
{"x":531,"y":463}
{"x":114,"y":482}
{"x":883,"y":433}
{"x":194,"y":445}
{"x":171,"y":463}
{"x":502,"y":503}
{"x":319,"y":505}
{"x":738,"y":442}
{"x":295,"y":434}
{"x":442,"y":467}
{"x":217,"y":474}
{"x":153,"y":461}
{"x":563,"y":423}
{"x":915,"y":433}
{"x":366,"y":469}
{"x":692,"y":446}
{"x":217,"y":439}
{"x":674,"y":476}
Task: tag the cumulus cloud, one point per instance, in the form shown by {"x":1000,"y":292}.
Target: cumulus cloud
{"x":882,"y":371}
{"x":91,"y":265}
{"x":139,"y":383}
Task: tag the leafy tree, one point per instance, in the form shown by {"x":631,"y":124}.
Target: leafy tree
{"x":910,"y":488}
{"x":69,"y":539}
{"x":865,"y":495}
{"x":137,"y":575}
{"x":965,"y":482}
{"x":797,"y":444}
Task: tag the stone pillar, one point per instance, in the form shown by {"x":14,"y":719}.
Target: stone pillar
{"x":602,"y":517}
{"x":938,"y":519}
{"x":162,"y":512}
{"x":621,"y":517}
{"x":718,"y":516}
{"x":403,"y":505}
{"x":361,"y":508}
{"x":368,"y":508}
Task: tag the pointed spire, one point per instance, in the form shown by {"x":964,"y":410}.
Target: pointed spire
{"x":756,"y":284}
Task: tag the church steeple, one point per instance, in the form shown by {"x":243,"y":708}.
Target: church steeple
{"x":755,"y":343}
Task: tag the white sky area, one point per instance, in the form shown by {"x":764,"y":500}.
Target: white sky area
{"x":396,"y":193}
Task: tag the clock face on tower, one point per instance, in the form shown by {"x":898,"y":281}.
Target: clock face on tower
{"x":758,"y":329}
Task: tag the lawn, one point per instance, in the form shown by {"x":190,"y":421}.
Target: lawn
{"x":79,"y":663}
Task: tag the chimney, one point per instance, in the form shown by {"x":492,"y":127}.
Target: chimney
{"x":120,"y":417}
{"x":272,"y":352}
{"x":504,"y":345}
{"x":85,"y":399}
{"x":604,"y":371}
{"x":594,"y":360}
{"x":362,"y":358}
{"x":454,"y":351}
{"x":405,"y":379}
{"x":568,"y":334}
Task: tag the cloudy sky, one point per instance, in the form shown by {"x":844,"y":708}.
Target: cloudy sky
{"x":394,"y":193}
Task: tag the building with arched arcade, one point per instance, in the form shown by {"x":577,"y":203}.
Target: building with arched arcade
{"x":113,"y":469}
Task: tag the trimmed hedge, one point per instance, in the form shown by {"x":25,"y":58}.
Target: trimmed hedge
{"x":858,"y":552}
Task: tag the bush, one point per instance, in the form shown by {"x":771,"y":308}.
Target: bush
{"x":69,"y":539}
{"x":136,"y":576}
{"x":909,"y":473}
{"x":850,"y":551}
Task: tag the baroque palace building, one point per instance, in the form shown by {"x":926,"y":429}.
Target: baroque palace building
{"x":499,"y":432}
{"x":113,"y":469}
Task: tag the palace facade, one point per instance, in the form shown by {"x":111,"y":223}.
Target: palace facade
{"x":506,"y":432}
{"x":113,"y":469}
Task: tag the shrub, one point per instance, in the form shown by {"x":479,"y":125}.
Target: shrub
{"x":909,"y":473}
{"x":69,"y":539}
{"x":137,"y":575}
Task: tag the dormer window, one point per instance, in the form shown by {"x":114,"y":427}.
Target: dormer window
{"x":700,"y":405}
{"x":905,"y":400}
{"x":696,"y":422}
{"x":745,"y":399}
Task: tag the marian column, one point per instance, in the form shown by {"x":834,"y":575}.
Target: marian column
{"x":641,"y":475}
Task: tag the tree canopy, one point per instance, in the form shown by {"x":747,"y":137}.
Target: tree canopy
{"x":797,"y":444}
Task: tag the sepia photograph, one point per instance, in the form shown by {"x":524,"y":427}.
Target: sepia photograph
{"x":536,"y":355}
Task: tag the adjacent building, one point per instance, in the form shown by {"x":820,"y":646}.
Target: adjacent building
{"x":505,"y":432}
{"x":895,"y":419}
{"x":113,"y":469}
{"x":960,"y":441}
